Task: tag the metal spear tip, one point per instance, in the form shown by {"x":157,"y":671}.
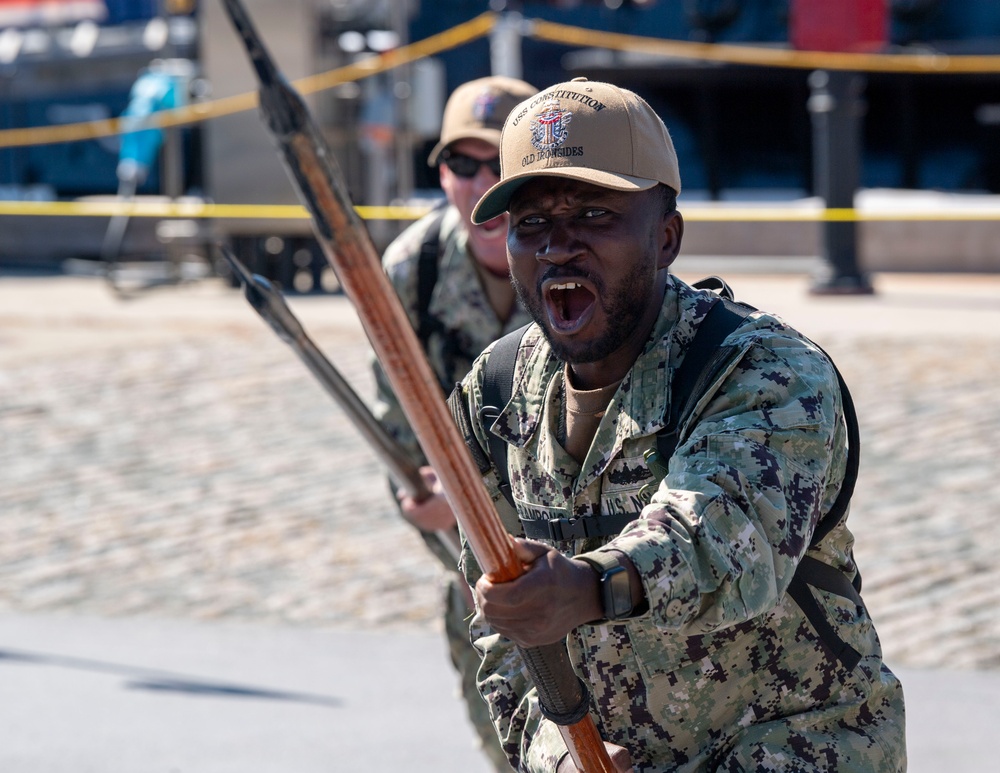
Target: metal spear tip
{"x":265,"y":299}
{"x":241,"y":271}
{"x":255,"y":287}
{"x":262,"y":61}
{"x":280,"y":104}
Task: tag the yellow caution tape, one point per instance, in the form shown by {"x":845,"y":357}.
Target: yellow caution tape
{"x":200,"y":210}
{"x":767,"y":57}
{"x":539,"y":29}
{"x":443,"y":41}
{"x":193,"y":210}
{"x":205,"y":111}
{"x":833,"y":214}
{"x":453,"y":38}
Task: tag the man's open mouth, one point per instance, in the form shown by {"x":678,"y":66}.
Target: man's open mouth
{"x":570,"y":304}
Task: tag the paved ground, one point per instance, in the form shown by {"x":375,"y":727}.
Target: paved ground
{"x":137,"y":695}
{"x":88,"y":694}
{"x":166,"y":458}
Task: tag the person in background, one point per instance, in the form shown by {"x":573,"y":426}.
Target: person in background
{"x":452,"y":279}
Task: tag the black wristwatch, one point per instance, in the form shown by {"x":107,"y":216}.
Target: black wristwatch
{"x":616,"y":590}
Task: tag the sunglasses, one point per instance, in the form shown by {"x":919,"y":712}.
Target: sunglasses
{"x":467,"y":166}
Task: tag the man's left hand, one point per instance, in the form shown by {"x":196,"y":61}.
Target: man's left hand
{"x":434,"y":513}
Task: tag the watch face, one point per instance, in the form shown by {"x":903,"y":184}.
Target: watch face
{"x":617,"y":593}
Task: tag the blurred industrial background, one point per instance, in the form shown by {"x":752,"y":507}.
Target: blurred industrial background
{"x":922,"y":173}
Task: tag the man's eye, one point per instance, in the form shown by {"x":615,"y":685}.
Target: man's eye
{"x":531,"y":220}
{"x":588,"y":213}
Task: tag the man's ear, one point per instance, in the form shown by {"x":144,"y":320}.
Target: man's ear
{"x":446,"y":181}
{"x":673,"y":233}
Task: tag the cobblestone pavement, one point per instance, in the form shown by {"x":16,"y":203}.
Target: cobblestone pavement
{"x":168,"y":456}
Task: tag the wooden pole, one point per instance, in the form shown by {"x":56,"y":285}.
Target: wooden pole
{"x":350,"y":251}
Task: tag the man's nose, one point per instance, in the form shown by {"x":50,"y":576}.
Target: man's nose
{"x":560,"y":245}
{"x":485,"y":179}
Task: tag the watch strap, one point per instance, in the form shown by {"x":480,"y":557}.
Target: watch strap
{"x":615,"y":587}
{"x":602,"y":561}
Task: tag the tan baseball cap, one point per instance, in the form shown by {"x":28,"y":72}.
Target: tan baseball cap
{"x":477,"y":109}
{"x":585,"y":130}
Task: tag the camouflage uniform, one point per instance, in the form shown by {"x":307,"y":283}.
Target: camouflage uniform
{"x":461,"y":305}
{"x":723,"y":672}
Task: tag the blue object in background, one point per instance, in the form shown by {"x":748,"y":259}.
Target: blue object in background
{"x":156,"y":89}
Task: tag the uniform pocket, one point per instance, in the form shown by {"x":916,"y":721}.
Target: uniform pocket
{"x":662,"y":652}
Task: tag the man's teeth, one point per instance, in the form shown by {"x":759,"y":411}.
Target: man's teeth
{"x":566,"y":286}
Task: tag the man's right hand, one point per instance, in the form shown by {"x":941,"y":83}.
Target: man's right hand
{"x":434,"y":513}
{"x":553,"y":596}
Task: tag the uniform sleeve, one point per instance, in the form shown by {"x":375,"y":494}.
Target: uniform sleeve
{"x":531,"y":742}
{"x":389,"y":413}
{"x":724,"y":533}
{"x":399,"y":264}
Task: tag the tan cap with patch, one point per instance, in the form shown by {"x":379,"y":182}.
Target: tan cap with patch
{"x":586,"y":130}
{"x":477,"y":110}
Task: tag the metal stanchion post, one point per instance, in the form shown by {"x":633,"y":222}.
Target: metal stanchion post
{"x":505,"y":43}
{"x":836,"y":106}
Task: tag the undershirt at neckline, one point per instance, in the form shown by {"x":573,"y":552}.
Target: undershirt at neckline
{"x":583,"y":410}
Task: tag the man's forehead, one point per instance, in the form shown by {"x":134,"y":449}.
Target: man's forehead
{"x":550,"y":188}
{"x":473,"y":146}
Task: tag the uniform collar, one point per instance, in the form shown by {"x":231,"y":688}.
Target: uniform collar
{"x":637,"y":409}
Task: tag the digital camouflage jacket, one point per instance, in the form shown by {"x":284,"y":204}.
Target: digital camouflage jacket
{"x":723,"y":672}
{"x":468,"y":323}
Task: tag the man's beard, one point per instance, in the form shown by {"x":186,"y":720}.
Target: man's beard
{"x":623,"y":307}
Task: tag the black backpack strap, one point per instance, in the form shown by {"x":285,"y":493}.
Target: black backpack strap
{"x":701,"y":362}
{"x":839,"y":509}
{"x":427,"y":325}
{"x":815,"y":573}
{"x":427,"y":276}
{"x":559,"y":529}
{"x":700,"y":365}
{"x":498,"y":386}
{"x":717,"y":284}
{"x":460,"y":413}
